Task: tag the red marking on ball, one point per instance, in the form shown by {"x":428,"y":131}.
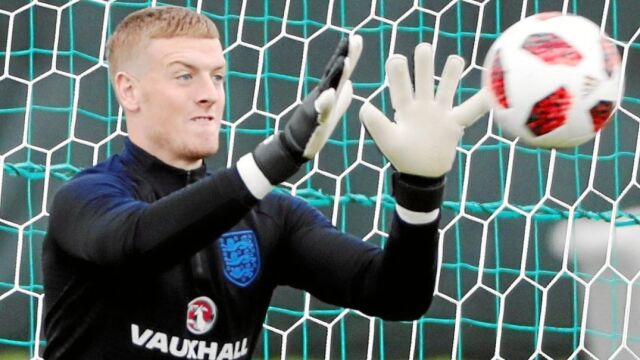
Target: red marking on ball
{"x":550,"y":113}
{"x":601,"y":114}
{"x":497,"y":81}
{"x":552,"y":49}
{"x":611,"y":56}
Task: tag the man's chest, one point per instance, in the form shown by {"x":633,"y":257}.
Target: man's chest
{"x":218,"y":298}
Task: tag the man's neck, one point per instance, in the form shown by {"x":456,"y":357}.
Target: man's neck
{"x":167,"y":158}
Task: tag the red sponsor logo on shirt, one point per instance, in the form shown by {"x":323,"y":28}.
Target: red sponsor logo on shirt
{"x":201,"y":315}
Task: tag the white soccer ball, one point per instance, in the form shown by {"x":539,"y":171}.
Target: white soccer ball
{"x":554,"y":80}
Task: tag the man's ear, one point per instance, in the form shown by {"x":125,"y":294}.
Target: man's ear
{"x":126,"y":88}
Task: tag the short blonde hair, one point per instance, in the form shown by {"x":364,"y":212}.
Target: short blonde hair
{"x":139,"y":27}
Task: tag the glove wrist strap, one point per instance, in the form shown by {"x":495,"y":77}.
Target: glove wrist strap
{"x":275,"y":161}
{"x":418,"y":193}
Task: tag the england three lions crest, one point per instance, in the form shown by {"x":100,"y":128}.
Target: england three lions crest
{"x":240,"y":256}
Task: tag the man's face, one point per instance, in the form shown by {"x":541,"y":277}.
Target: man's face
{"x":181,"y":99}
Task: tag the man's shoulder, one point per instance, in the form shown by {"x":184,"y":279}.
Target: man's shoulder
{"x":111,"y":166}
{"x":96,"y":183}
{"x":110,"y":172}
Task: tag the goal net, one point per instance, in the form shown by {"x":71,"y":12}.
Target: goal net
{"x":539,"y":249}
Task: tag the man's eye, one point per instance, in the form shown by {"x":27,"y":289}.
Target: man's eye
{"x":184,"y":77}
{"x":218,"y":78}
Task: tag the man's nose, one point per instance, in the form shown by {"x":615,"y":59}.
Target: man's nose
{"x":210,"y":92}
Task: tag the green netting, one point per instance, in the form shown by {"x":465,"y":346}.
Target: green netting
{"x":499,"y":281}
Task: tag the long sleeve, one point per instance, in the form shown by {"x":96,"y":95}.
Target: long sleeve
{"x":394,"y":283}
{"x":96,"y":218}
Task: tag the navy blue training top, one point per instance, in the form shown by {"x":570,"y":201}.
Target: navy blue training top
{"x":146,"y":261}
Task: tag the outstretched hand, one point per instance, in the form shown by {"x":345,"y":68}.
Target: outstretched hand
{"x":313,"y":121}
{"x":330,"y":99}
{"x":427,"y":128}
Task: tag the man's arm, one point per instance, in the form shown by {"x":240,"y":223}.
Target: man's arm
{"x":397,"y":282}
{"x":394,"y":283}
{"x":96,"y":219}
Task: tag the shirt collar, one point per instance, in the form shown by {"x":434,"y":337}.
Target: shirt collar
{"x":161,"y":175}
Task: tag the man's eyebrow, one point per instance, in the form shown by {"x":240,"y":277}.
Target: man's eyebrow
{"x":180,"y":63}
{"x":222,"y":67}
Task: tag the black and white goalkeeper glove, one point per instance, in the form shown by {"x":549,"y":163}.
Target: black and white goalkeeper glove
{"x":308,"y":128}
{"x":421,"y":143}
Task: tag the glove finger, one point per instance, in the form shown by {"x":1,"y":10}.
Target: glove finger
{"x":343,"y":100}
{"x":324,"y":103}
{"x":331,"y":108}
{"x":423,"y":65}
{"x":400,"y":87}
{"x":472,"y":109}
{"x":378,"y":125}
{"x":340,"y":51}
{"x":449,"y":80}
{"x":355,"y":49}
{"x":346,"y":73}
{"x":327,"y":119}
{"x":333,"y":71}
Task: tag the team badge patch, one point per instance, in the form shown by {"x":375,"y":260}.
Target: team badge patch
{"x":201,"y":315}
{"x":240,"y":255}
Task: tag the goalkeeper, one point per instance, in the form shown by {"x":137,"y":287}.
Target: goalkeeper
{"x":149,"y":255}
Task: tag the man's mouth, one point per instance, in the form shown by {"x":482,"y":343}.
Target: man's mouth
{"x":206,"y":118}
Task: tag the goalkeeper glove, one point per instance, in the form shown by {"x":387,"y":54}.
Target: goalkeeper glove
{"x":308,"y":128}
{"x":423,"y":139}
